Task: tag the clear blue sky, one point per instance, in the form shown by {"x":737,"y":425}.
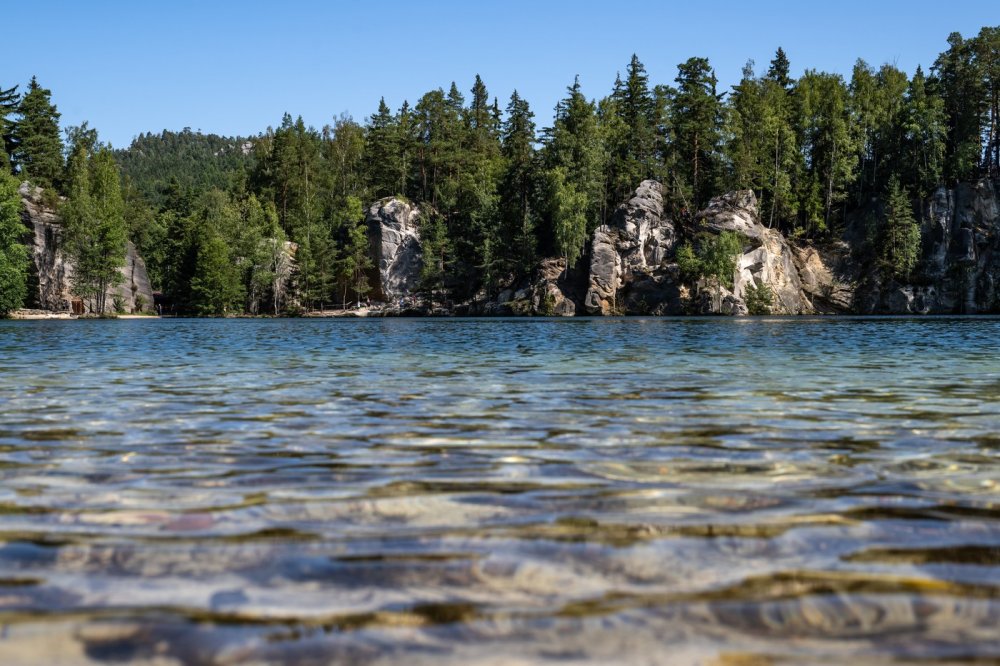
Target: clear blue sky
{"x":233,"y":67}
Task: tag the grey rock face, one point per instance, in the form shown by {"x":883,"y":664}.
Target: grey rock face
{"x":635,"y":243}
{"x":959,"y":269}
{"x":395,"y":244}
{"x":547,"y":294}
{"x":53,"y":271}
{"x":824,"y":273}
{"x":767,"y":257}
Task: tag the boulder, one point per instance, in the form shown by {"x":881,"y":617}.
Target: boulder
{"x":636,"y":242}
{"x":394,"y":235}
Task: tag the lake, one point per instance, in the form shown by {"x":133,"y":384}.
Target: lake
{"x":684,"y":491}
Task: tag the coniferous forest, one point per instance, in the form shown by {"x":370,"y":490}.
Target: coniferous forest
{"x":501,"y":184}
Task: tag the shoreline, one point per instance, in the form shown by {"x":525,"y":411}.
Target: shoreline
{"x":375,"y":314}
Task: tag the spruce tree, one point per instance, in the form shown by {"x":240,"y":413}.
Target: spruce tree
{"x":959,"y":81}
{"x":380,"y":153}
{"x":924,"y":129}
{"x":697,"y":116}
{"x":779,"y":70}
{"x":898,"y":243}
{"x":96,"y":232}
{"x":517,"y":221}
{"x":38,"y":148}
{"x":9,"y":102}
{"x":13,"y":253}
{"x":573,"y":144}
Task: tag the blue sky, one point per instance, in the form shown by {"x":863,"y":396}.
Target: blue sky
{"x":234,"y":67}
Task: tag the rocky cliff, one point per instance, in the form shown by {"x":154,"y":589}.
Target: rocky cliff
{"x":628,"y":250}
{"x":959,"y":271}
{"x":631,"y":267}
{"x":52,"y":271}
{"x":394,"y":236}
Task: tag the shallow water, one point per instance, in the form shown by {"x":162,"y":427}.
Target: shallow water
{"x":747,"y":491}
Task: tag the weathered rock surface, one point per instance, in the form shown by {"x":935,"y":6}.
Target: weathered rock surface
{"x":52,"y":271}
{"x":959,"y":271}
{"x":394,"y":235}
{"x":633,"y":245}
{"x":549,"y":292}
{"x":826,"y":276}
{"x":767,"y":259}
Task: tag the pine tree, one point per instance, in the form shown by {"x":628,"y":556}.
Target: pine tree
{"x":215,"y":284}
{"x":697,"y":116}
{"x":573,"y":145}
{"x":436,"y":252}
{"x":749,"y":145}
{"x":38,"y":147}
{"x":829,"y":147}
{"x":13,"y":253}
{"x":898,"y":243}
{"x":517,"y":223}
{"x":987,"y":48}
{"x":94,"y":217}
{"x":568,"y":210}
{"x":380,"y":153}
{"x":958,"y":80}
{"x":9,"y":102}
{"x":924,"y":129}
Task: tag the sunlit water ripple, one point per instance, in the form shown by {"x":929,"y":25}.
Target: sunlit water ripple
{"x":500,"y":492}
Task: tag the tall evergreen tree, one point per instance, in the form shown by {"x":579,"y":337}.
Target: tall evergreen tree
{"x":959,"y":82}
{"x":517,"y":216}
{"x":829,"y":147}
{"x":13,"y":252}
{"x":898,"y":242}
{"x":96,"y":231}
{"x":573,"y":145}
{"x":9,"y":102}
{"x":924,"y":133}
{"x":380,"y":152}
{"x":38,"y":148}
{"x":697,"y":116}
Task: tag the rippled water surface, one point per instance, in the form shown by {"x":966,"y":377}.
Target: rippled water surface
{"x":500,"y":492}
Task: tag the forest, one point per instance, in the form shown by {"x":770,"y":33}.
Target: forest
{"x":500,"y":188}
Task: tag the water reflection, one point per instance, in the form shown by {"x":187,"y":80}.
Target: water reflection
{"x":447,"y":492}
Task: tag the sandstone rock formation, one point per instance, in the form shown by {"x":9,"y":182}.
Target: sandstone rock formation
{"x":767,"y":257}
{"x":959,"y":270}
{"x":632,"y":246}
{"x":52,"y":271}
{"x":549,"y":295}
{"x":394,"y":235}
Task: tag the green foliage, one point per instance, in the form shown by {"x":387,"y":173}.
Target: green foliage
{"x":573,"y":146}
{"x":13,"y":253}
{"x":759,"y":299}
{"x":697,"y":120}
{"x":215,"y":285}
{"x":569,"y":216}
{"x":37,"y":147}
{"x":898,"y":236}
{"x":157,"y":163}
{"x":436,"y":254}
{"x":94,"y":218}
{"x":714,"y":256}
